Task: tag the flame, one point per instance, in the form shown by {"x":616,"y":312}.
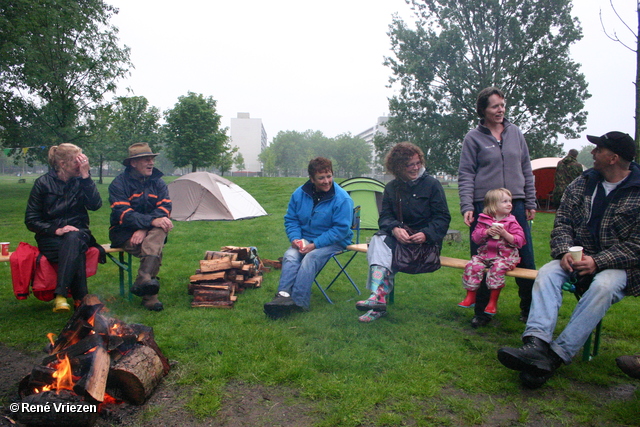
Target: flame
{"x":50,"y":337}
{"x":63,"y":374}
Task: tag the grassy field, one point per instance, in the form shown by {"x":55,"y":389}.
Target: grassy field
{"x":421,"y":365}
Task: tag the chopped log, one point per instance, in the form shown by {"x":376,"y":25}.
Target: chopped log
{"x":81,"y":347}
{"x":218,"y":304}
{"x":84,"y":415}
{"x":146,"y":337}
{"x":212,"y":295}
{"x":77,"y":326}
{"x":208,"y":266}
{"x":243,"y":253}
{"x":253,"y":282}
{"x":211,"y":285}
{"x":208,"y":277}
{"x":136,"y":375}
{"x":94,"y":383}
{"x":277,"y":264}
{"x":40,"y":377}
{"x":218,"y":254}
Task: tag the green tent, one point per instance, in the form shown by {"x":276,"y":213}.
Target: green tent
{"x":366,"y":192}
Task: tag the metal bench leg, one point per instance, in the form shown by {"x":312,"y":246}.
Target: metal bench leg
{"x":589,"y":351}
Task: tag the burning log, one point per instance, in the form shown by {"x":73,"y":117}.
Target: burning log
{"x":92,"y":355}
{"x":94,"y":383}
{"x":134,"y":377}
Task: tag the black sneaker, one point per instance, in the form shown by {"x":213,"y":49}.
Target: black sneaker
{"x":534,"y":357}
{"x":280,"y":306}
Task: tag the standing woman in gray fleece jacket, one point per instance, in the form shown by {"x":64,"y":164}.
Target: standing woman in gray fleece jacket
{"x":495,"y":155}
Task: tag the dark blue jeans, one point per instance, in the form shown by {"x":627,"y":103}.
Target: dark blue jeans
{"x":526,"y":254}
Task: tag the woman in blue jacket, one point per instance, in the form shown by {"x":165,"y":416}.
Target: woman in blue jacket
{"x":318,"y":224}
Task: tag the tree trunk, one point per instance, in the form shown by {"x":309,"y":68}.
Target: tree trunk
{"x":638,"y":89}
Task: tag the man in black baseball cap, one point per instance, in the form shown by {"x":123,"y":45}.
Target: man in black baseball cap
{"x":620,"y":143}
{"x":599,"y":212}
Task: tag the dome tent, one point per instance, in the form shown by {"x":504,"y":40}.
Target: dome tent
{"x":366,"y":193}
{"x":204,"y":196}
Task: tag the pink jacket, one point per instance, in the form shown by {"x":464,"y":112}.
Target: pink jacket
{"x":496,"y":246}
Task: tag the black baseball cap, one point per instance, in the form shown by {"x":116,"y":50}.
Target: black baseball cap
{"x":619,"y":142}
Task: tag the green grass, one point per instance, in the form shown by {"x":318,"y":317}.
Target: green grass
{"x":421,"y":365}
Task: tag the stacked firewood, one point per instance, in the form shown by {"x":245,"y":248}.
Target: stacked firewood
{"x":223,"y":274}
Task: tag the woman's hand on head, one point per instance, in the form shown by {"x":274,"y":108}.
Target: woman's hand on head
{"x":83,"y":165}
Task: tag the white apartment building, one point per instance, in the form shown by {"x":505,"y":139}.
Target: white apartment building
{"x":368,"y":136}
{"x":250,"y":137}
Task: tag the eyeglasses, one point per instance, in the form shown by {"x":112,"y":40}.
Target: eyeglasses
{"x":414,"y":165}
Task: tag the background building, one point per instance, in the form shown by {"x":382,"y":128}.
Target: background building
{"x":250,"y":137}
{"x":368,"y":135}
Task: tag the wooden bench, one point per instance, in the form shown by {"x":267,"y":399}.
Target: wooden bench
{"x":123,"y":266}
{"x":524,"y":273}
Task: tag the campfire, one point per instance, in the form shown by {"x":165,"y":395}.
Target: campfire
{"x":95,"y":360}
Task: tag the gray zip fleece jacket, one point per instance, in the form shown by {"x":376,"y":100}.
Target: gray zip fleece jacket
{"x":484,"y":165}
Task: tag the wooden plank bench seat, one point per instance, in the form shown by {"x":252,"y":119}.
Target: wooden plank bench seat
{"x":524,"y":273}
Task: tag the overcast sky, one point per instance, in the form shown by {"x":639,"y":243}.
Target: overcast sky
{"x":301,"y":65}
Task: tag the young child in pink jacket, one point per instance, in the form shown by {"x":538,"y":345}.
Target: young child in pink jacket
{"x":499,"y":236}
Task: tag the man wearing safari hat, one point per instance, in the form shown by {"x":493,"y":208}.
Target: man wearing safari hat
{"x":600,"y":212}
{"x":140,"y":211}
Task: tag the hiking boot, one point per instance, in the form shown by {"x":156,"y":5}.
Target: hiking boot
{"x":371,"y":316}
{"x":630,"y":365}
{"x":146,"y":282}
{"x":533,"y":381}
{"x":534,"y":357}
{"x":280,"y":306}
{"x":479,"y":321}
{"x":151,"y":303}
{"x":372,"y":303}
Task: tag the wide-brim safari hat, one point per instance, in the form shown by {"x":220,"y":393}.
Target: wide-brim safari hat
{"x":137,"y":150}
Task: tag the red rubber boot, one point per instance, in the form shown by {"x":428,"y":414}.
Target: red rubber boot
{"x":469,"y":301}
{"x":492,"y":307}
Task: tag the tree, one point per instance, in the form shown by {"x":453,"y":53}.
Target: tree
{"x":193,"y":132}
{"x":58,"y":59}
{"x":226,"y":159}
{"x":292,"y":150}
{"x":585,"y":157}
{"x":119,"y":124}
{"x":238,"y":161}
{"x":351,"y":156}
{"x":459,"y":47}
{"x":614,"y":37}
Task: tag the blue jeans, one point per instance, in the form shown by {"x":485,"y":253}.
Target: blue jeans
{"x":299,"y":271}
{"x":606,"y":289}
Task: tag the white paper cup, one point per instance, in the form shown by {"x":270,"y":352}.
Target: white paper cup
{"x":5,"y":248}
{"x":576,"y":252}
{"x":497,"y":224}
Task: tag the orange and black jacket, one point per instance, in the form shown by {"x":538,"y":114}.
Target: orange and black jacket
{"x":135,"y":202}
